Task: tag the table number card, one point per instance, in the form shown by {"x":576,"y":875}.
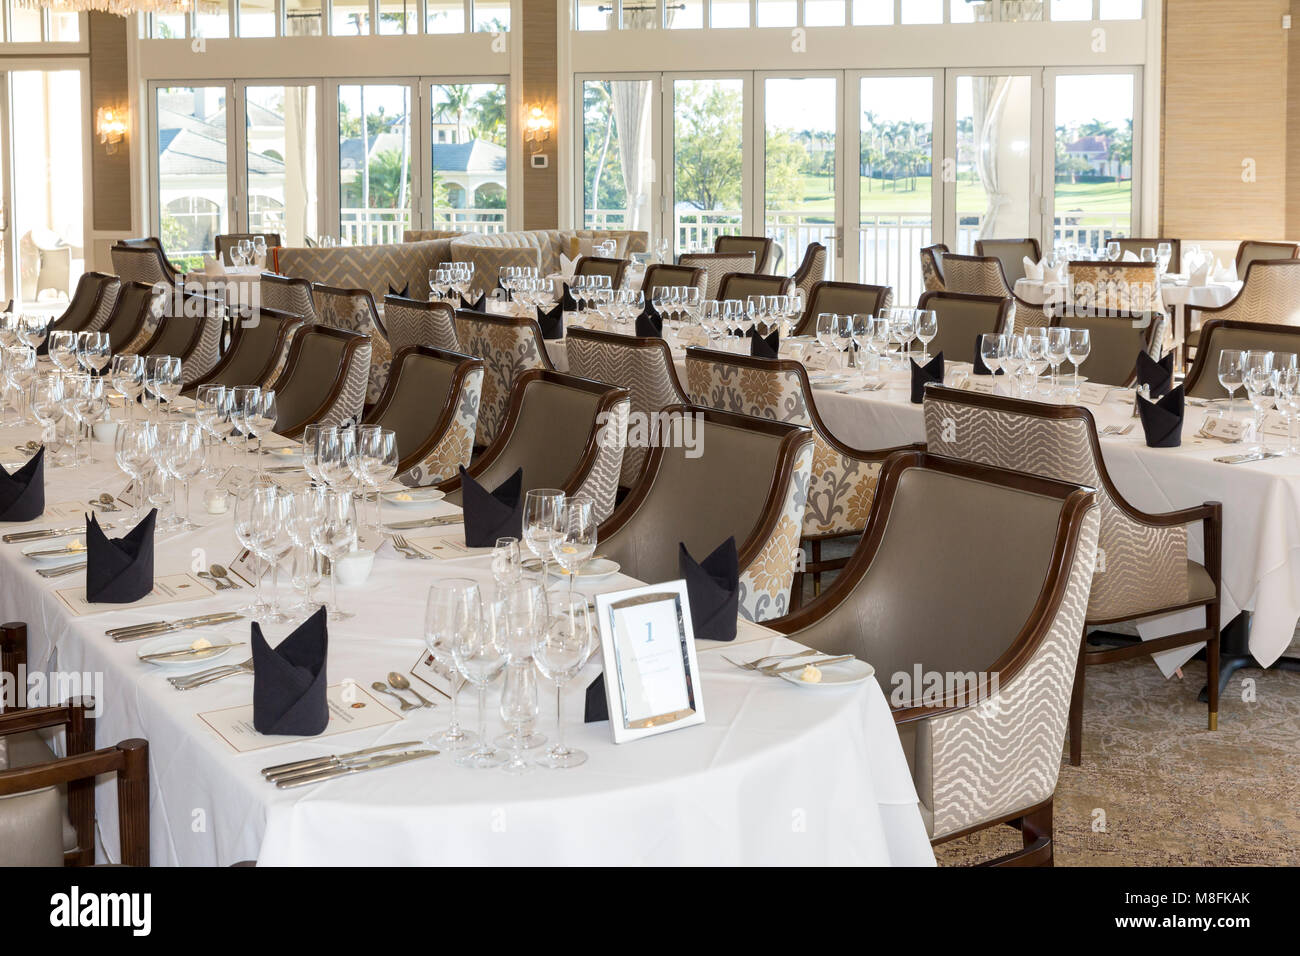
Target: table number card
{"x":166,"y":590}
{"x":651,"y":672}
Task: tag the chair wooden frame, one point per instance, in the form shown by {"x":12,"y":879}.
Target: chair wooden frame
{"x":807,"y":323}
{"x":810,"y":254}
{"x":100,"y":279}
{"x":289,"y":325}
{"x":764,"y":243}
{"x":154,"y":243}
{"x":614,"y":268}
{"x":351,"y":342}
{"x":139,"y":320}
{"x":1291,"y":248}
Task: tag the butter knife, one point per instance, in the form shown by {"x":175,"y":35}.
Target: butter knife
{"x":330,"y":760}
{"x":343,"y":770}
{"x":798,"y":667}
{"x":183,"y":651}
{"x":164,"y":627}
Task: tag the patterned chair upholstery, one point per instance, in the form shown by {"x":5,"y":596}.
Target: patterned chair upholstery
{"x":135,"y":316}
{"x":1136,"y":244}
{"x":431,"y":403}
{"x":1011,"y":253}
{"x":377,"y":269}
{"x":143,"y":260}
{"x":1114,"y":288}
{"x":692,"y":493}
{"x":760,"y":246}
{"x":989,"y":751}
{"x":812,"y":270}
{"x":324,"y":380}
{"x":509,"y":345}
{"x":932,"y":267}
{"x":642,"y":365}
{"x":91,"y":306}
{"x":104,"y":308}
{"x":194,"y":338}
{"x":665,"y":276}
{"x":974,"y":275}
{"x":1218,"y":334}
{"x":425,"y":235}
{"x":716,"y":267}
{"x":1252,"y":251}
{"x":843,"y":298}
{"x":258,"y":352}
{"x":962,"y":319}
{"x":1270,"y":294}
{"x":741,"y":285}
{"x":565,"y":432}
{"x":226,"y":242}
{"x":1115,"y":344}
{"x":1144,"y":568}
{"x":410,"y":322}
{"x":291,"y":296}
{"x":353,"y":310}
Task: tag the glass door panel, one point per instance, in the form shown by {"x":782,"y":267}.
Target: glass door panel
{"x":374,"y":130}
{"x":1093,"y":158}
{"x":708,"y":160}
{"x":618,"y":155}
{"x":281,"y":162}
{"x":468,"y":138}
{"x":193,"y":174}
{"x":896,"y":192}
{"x":801,"y":199}
{"x":6,"y":180}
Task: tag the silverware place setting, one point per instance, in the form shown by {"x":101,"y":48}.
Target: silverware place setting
{"x":345,"y":767}
{"x":775,"y":658}
{"x":219,"y":576}
{"x":136,"y":632}
{"x":1116,"y":430}
{"x":17,"y":537}
{"x":191,"y":681}
{"x":330,"y":760}
{"x":408,"y":550}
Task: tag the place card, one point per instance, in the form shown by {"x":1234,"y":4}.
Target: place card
{"x":1091,"y":393}
{"x":66,"y":512}
{"x":351,"y":707}
{"x":168,"y":589}
{"x":234,"y":478}
{"x":1225,"y":429}
{"x":248,"y":567}
{"x":435,"y":674}
{"x":447,"y":547}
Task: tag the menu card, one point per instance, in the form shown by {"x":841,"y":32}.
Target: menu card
{"x":447,"y":547}
{"x":351,"y":708}
{"x":168,"y":589}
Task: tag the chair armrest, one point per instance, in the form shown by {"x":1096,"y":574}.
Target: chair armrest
{"x":1207,"y":512}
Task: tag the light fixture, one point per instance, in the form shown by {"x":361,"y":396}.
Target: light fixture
{"x":120,"y":8}
{"x":111,"y":127}
{"x":537,"y":128}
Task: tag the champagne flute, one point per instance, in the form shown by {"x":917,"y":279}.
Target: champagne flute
{"x":453,"y":605}
{"x":560,"y":651}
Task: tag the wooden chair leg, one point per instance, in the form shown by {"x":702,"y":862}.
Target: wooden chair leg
{"x":13,"y":649}
{"x":1036,"y":840}
{"x":133,"y":802}
{"x":1212,"y":666}
{"x":80,"y":739}
{"x":816,"y":559}
{"x":1076,"y":706}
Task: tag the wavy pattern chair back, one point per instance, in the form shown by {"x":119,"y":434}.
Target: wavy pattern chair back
{"x":1143,"y":565}
{"x":324,"y":380}
{"x":1252,"y":250}
{"x":284,"y":294}
{"x":843,"y":298}
{"x":410,"y":322}
{"x":661,"y":275}
{"x":717,"y":266}
{"x":112,"y":288}
{"x":812,"y":270}
{"x":1011,"y":253}
{"x":760,"y":246}
{"x":1270,"y":293}
{"x":135,"y":313}
{"x":432,"y":404}
{"x":692,"y":493}
{"x":1101,"y":288}
{"x":83,"y":308}
{"x":974,"y":275}
{"x":642,"y":365}
{"x":932,"y":267}
{"x":140,"y":264}
{"x":508,"y":346}
{"x":353,"y":310}
{"x":195,"y":338}
{"x":1135,"y":245}
{"x":1219,"y":334}
{"x":740,"y":285}
{"x":962,"y":319}
{"x":377,"y":269}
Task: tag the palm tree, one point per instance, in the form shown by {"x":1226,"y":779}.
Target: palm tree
{"x":491,"y":111}
{"x":456,"y":101}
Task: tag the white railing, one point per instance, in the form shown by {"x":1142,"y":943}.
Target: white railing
{"x":373,"y":227}
{"x":470,"y":220}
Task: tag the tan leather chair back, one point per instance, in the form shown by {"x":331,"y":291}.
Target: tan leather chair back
{"x":740,"y":285}
{"x":962,"y":319}
{"x":1011,"y":253}
{"x":843,"y":298}
{"x":1219,"y":334}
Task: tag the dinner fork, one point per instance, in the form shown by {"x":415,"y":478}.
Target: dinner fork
{"x":207,"y":677}
{"x":408,"y":549}
{"x":756,"y":662}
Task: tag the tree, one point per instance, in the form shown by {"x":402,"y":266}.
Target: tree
{"x":784,"y":162}
{"x":455,"y":103}
{"x":490,"y":116}
{"x":709,"y":160}
{"x":386,"y":172}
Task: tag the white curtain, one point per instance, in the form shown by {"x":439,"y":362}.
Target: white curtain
{"x":989,"y":97}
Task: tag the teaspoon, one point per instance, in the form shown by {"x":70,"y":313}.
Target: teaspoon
{"x":401,"y":683}
{"x":384,"y":689}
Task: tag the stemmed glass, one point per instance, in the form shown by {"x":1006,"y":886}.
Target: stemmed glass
{"x":305,"y":573}
{"x":258,"y":512}
{"x":1258,"y":381}
{"x":1013,"y":360}
{"x":1232,"y":375}
{"x":208,"y":400}
{"x":376,"y":459}
{"x":134,"y":447}
{"x":480,"y":655}
{"x":542,"y":511}
{"x":1286,"y":399}
{"x":310,"y":448}
{"x":45,"y":400}
{"x":1113,"y":251}
{"x":1077,"y":352}
{"x":93,"y":351}
{"x":259,"y":250}
{"x":993,"y":347}
{"x":246,"y":398}
{"x":87,"y":406}
{"x":506,"y":569}
{"x":453,"y":606}
{"x":577,"y":540}
{"x":927,"y":327}
{"x":1035,"y":357}
{"x":32,"y":330}
{"x":19,"y":369}
{"x":903,"y":322}
{"x":560,"y":650}
{"x":526,"y":614}
{"x":1058,"y":343}
{"x":63,"y":350}
{"x":828,"y":329}
{"x":181,"y":459}
{"x":126,"y":375}
{"x":334,"y":534}
{"x":258,"y":418}
{"x":162,"y":379}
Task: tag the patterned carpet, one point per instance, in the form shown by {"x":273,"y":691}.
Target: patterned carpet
{"x":1156,"y":788}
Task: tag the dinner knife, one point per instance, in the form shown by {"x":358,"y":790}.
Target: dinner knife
{"x":164,"y":627}
{"x":339,"y":764}
{"x":424,"y":523}
{"x":799,"y":667}
{"x":343,"y":770}
{"x":17,"y":536}
{"x":331,"y":759}
{"x":181,"y":652}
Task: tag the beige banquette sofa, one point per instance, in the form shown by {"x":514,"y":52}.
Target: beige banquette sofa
{"x":406,"y":265}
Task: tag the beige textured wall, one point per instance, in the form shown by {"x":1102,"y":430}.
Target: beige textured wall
{"x":110,"y":173}
{"x":1226,"y":102}
{"x":539,"y":33}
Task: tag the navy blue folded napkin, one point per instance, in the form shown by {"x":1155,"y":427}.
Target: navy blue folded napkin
{"x":289,"y":680}
{"x":596,"y":705}
{"x":768,"y":347}
{"x":552,"y":322}
{"x":119,"y":570}
{"x":649,"y":324}
{"x":405,"y":293}
{"x":22,"y":494}
{"x":1162,"y":420}
{"x":477,"y":306}
{"x":567,"y":302}
{"x":1158,"y":376}
{"x":713,"y":588}
{"x":492,"y":514}
{"x":980,"y":367}
{"x":923,"y":375}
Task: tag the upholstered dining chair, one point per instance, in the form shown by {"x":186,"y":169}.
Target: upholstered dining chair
{"x":602,"y":266}
{"x":323,"y":380}
{"x":842,"y":298}
{"x":811,"y":270}
{"x":691,"y":493}
{"x":225,"y":242}
{"x":1011,"y":253}
{"x":258,"y":351}
{"x":716,"y":266}
{"x":1270,"y":293}
{"x":1113,"y":288}
{"x":983,"y":275}
{"x":1116,"y":342}
{"x":285,"y":294}
{"x":509,"y":345}
{"x":843,"y":478}
{"x":91,"y":304}
{"x":408,"y":322}
{"x":984,"y":750}
{"x":963,"y":319}
{"x":760,"y":246}
{"x":642,"y":365}
{"x":143,"y":260}
{"x":194,"y":338}
{"x":565,"y":432}
{"x":1253,"y":250}
{"x":932,"y":267}
{"x":1218,"y":334}
{"x":1144,"y":569}
{"x":662,"y":275}
{"x":739,"y":285}
{"x":1136,"y":244}
{"x":353,"y":310}
{"x":431,"y":403}
{"x":135,"y":315}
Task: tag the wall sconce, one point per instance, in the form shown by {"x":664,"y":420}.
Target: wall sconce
{"x":111,"y":126}
{"x":537,"y":128}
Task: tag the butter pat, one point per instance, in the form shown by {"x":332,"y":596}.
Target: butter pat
{"x":811,"y":675}
{"x":202,"y":644}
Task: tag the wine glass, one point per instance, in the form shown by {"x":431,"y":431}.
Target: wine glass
{"x":1058,"y":343}
{"x":334,"y":534}
{"x":1113,"y":250}
{"x":126,"y":375}
{"x":208,"y":400}
{"x":134,"y":449}
{"x":87,"y":406}
{"x":182,"y":459}
{"x":1035,"y":356}
{"x":480,"y":655}
{"x":453,"y":606}
{"x":259,"y":250}
{"x":1164,"y":255}
{"x":1258,"y":380}
{"x":1286,"y":383}
{"x":376,"y":459}
{"x":577,"y":539}
{"x":258,"y":512}
{"x":560,"y":650}
{"x":310,"y":448}
{"x":300,"y":514}
{"x":93,"y":351}
{"x":332,"y":456}
{"x":1013,"y":360}
{"x":527,"y":614}
{"x":993,"y":347}
{"x":45,"y":400}
{"x":19,"y":370}
{"x":63,"y":350}
{"x":1078,"y":349}
{"x":506,"y":569}
{"x":258,"y":418}
{"x":245,"y":404}
{"x":828,"y":329}
{"x":1232,"y":375}
{"x":542,"y":510}
{"x":32,"y":330}
{"x":927,"y":327}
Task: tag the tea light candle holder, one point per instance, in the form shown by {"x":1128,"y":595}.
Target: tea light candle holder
{"x":214,"y":501}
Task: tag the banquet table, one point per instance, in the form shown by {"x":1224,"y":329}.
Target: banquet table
{"x":1261,"y":500}
{"x":777,"y":774}
{"x":234,"y":285}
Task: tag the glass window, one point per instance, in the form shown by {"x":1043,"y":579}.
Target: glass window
{"x":595,"y":14}
{"x":1094,"y":159}
{"x":823,"y":13}
{"x":349,"y":18}
{"x":469,"y":141}
{"x":799,"y":164}
{"x":873,"y":12}
{"x":1071,"y":9}
{"x":641,"y":14}
{"x":708,"y":161}
{"x":730,"y":13}
{"x":922,"y":11}
{"x":778,"y":13}
{"x":374,"y":163}
{"x":685,"y":15}
{"x":491,"y":16}
{"x":64,"y":26}
{"x":1020,"y":10}
{"x":444,"y":16}
{"x":193,"y":192}
{"x":963,"y":11}
{"x":283,"y":169}
{"x":1120,"y":10}
{"x":167,"y":26}
{"x":256,"y":18}
{"x":303,"y":18}
{"x":995,"y":159}
{"x":399,"y":16}
{"x":24,"y":24}
{"x":618,"y":161}
{"x":212,"y":18}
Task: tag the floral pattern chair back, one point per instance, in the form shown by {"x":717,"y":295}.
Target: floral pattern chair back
{"x":353,"y":310}
{"x":1115,"y":288}
{"x":284,"y":294}
{"x":508,"y":346}
{"x":932,"y":267}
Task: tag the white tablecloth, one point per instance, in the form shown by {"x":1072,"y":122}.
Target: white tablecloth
{"x":778,"y":774}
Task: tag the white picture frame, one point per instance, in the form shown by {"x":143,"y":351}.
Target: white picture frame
{"x":652,"y":681}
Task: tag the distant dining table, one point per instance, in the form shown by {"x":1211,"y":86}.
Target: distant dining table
{"x":777,"y":774}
